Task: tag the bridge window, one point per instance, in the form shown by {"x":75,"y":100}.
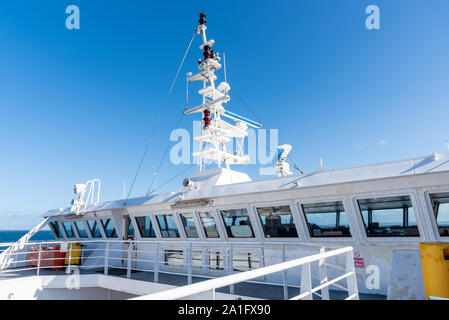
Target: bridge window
{"x":145,"y":227}
{"x":277,"y":222}
{"x":93,"y":227}
{"x":440,"y":205}
{"x":68,"y":228}
{"x":79,"y":225}
{"x":245,"y":261}
{"x":174,"y":258}
{"x":237,"y":223}
{"x":108,"y":227}
{"x":167,"y":225}
{"x":209,"y":225}
{"x":326,"y":219}
{"x":389,"y":217}
{"x":54,"y":226}
{"x":189,"y":225}
{"x":129,"y":228}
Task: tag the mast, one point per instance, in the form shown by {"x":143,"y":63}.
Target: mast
{"x":215,"y":131}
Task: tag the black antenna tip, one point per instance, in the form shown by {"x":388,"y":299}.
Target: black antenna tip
{"x":202,"y":18}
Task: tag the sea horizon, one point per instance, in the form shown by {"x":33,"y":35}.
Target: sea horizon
{"x":14,"y":235}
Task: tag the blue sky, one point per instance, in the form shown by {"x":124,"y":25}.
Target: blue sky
{"x":79,"y":104}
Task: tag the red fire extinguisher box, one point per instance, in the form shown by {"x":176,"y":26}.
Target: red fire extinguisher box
{"x":50,"y":257}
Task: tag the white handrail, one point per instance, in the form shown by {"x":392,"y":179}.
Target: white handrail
{"x":214,"y":284}
{"x":181,"y":242}
{"x":110,"y":255}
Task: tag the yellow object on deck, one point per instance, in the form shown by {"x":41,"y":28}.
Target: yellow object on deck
{"x":435,"y":268}
{"x":73,"y":250}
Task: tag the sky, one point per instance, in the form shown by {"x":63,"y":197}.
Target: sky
{"x":81,"y":104}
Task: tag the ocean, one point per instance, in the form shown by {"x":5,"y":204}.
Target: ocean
{"x":14,"y":235}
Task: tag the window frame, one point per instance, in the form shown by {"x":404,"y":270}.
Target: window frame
{"x":303,"y":225}
{"x":86,"y":228}
{"x":320,"y":201}
{"x":248,"y":209}
{"x":203,"y":233}
{"x":99,"y":226}
{"x":426,"y":194}
{"x":65,"y":232}
{"x":195,"y":221}
{"x":175,"y":218}
{"x":293,"y":215}
{"x":62,"y":233}
{"x":138,"y":234}
{"x":404,"y":192}
{"x":104,"y":228}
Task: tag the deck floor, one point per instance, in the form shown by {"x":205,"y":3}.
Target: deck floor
{"x":256,"y":290}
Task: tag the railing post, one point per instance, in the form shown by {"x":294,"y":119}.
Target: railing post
{"x":156,"y":263}
{"x":39,"y":259}
{"x":189,"y":263}
{"x":352,"y":279}
{"x":284,"y":274}
{"x":322,"y":270}
{"x":231,"y":266}
{"x":306,"y":281}
{"x":106,"y":259}
{"x":128,"y":266}
{"x":69,"y":271}
{"x":214,"y":297}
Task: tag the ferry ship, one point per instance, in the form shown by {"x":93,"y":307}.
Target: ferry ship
{"x":351,"y":233}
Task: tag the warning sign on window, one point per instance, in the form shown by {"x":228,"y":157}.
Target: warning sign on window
{"x":358,"y":260}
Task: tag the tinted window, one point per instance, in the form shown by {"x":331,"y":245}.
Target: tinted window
{"x":167,"y":225}
{"x":277,"y":222}
{"x":326,"y":219}
{"x":145,"y":227}
{"x":54,"y":226}
{"x":68,"y":228}
{"x":93,"y":227}
{"x":209,"y":225}
{"x":81,"y":229}
{"x":389,"y":217}
{"x":108,"y":227}
{"x":237,"y":223}
{"x":440,"y":205}
{"x":189,"y":225}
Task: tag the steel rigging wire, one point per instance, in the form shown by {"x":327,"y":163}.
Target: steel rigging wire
{"x":164,"y":105}
{"x":288,"y":160}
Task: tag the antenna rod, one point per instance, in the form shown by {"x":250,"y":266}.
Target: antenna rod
{"x":224,"y":66}
{"x":187,"y":89}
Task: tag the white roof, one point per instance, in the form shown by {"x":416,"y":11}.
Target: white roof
{"x":221,"y":182}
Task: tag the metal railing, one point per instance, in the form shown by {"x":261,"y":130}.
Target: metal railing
{"x":189,"y":259}
{"x":307,"y":290}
